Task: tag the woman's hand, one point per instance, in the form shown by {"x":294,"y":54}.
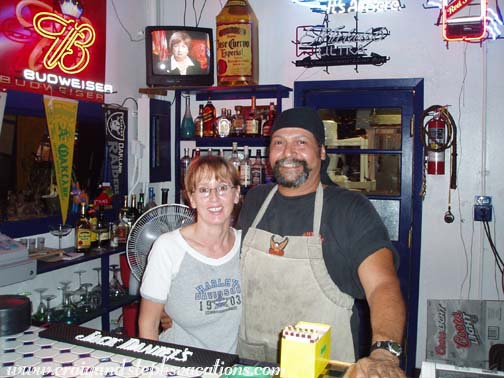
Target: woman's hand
{"x":166,"y":321}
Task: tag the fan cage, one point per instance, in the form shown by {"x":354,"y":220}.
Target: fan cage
{"x":148,"y":227}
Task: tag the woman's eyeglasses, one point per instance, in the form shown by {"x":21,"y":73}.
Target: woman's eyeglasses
{"x":221,"y":190}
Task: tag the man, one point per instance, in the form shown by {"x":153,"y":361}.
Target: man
{"x":309,"y":250}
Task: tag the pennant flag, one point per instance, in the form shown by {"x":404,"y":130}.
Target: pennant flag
{"x":116,"y":154}
{"x":61,"y":117}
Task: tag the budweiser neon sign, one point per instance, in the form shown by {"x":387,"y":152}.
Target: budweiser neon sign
{"x":54,"y":47}
{"x":70,"y":39}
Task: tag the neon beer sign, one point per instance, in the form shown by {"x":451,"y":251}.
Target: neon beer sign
{"x":63,"y":53}
{"x":69,"y":39}
{"x":464,"y":20}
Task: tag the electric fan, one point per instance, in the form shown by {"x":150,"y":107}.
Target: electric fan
{"x":148,"y":227}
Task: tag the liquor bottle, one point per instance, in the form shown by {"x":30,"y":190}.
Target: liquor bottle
{"x":187,"y":125}
{"x":195,"y":154}
{"x":253,"y":121}
{"x":92,"y":219}
{"x":122,"y":231}
{"x":141,"y":203}
{"x":245,"y":167}
{"x":235,"y":159}
{"x":208,"y":119}
{"x":184,"y":165}
{"x":198,"y":123}
{"x":132,"y":211}
{"x":164,"y":196}
{"x":123,"y":225}
{"x":237,"y":123}
{"x":82,"y":230}
{"x":237,"y":25}
{"x":268,"y":124}
{"x":257,"y":170}
{"x":123,"y":211}
{"x":102,"y":231}
{"x":152,"y":199}
{"x":223,"y":124}
{"x":113,"y":239}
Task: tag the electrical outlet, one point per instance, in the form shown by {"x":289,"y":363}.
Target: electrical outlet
{"x":483,"y":208}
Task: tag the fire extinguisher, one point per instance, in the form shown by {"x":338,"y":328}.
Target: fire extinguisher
{"x":440,"y":134}
{"x":436,"y":131}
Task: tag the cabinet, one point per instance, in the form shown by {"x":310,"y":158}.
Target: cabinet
{"x":107,"y":304}
{"x":276,"y":92}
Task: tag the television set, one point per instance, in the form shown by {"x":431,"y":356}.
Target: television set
{"x":178,"y":56}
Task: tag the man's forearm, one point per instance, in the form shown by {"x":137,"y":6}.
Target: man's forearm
{"x":388,"y":314}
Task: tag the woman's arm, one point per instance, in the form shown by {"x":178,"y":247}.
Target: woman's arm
{"x":148,"y":321}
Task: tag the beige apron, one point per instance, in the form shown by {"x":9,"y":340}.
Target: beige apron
{"x":282,"y":290}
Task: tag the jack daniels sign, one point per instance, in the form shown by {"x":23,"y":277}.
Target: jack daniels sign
{"x":325,"y":46}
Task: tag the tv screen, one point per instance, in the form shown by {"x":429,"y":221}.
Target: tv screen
{"x":179,"y":56}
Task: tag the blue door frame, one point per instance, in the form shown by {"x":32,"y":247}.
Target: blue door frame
{"x":406,"y":94}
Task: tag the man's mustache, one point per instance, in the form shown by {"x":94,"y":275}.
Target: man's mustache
{"x":290,"y":162}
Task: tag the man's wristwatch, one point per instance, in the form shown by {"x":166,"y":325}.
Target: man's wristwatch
{"x":388,"y":345}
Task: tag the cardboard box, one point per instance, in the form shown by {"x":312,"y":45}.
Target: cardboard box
{"x":461,"y":332}
{"x":305,"y":350}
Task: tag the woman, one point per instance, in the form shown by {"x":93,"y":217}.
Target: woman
{"x":193,"y":272}
{"x":179,"y":63}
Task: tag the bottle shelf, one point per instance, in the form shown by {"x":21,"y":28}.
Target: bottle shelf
{"x":228,"y":141}
{"x":273,"y":92}
{"x":238,"y":93}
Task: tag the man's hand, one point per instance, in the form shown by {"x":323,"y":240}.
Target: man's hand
{"x":379,"y":364}
{"x":166,"y":321}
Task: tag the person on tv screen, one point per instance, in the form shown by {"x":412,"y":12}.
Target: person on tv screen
{"x":179,"y":62}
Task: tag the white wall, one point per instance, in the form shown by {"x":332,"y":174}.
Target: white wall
{"x":464,"y":76}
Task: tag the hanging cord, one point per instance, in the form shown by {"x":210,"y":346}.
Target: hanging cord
{"x":499,"y":262}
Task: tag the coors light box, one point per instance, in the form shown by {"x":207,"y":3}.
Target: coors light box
{"x":461,"y":332}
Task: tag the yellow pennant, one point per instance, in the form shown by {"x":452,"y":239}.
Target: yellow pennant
{"x":61,"y":114}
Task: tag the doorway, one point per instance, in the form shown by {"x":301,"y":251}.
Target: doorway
{"x":372,"y":140}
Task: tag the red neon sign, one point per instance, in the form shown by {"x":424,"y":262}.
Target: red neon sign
{"x":464,"y":20}
{"x":456,"y":6}
{"x":54,"y":49}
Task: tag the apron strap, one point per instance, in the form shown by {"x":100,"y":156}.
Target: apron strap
{"x":317,"y":211}
{"x":264,"y":206}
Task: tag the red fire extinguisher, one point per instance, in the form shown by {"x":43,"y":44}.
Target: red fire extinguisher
{"x":438,"y":136}
{"x":436,"y":130}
